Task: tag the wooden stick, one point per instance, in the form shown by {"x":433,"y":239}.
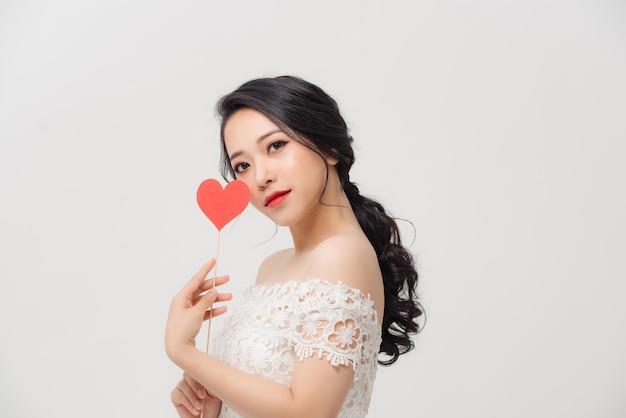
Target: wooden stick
{"x":208,"y":334}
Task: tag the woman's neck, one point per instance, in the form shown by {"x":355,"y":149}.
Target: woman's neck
{"x":333,"y":216}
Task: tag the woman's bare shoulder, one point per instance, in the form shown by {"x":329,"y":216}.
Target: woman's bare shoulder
{"x":350,"y":259}
{"x":272,"y":263}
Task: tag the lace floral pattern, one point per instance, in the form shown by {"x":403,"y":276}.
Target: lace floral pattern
{"x":280,"y":323}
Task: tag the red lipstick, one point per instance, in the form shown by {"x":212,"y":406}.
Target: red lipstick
{"x":276,"y":198}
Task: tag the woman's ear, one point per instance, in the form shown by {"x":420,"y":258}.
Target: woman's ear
{"x":331,"y":160}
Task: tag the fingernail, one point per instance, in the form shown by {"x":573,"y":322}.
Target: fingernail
{"x":198,"y":405}
{"x":212,"y":292}
{"x":201,"y":393}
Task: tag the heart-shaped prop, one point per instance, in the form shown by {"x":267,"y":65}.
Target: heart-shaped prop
{"x":222,"y":205}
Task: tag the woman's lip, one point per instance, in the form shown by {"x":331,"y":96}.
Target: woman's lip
{"x":274,"y":196}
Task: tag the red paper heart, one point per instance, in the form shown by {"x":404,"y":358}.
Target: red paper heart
{"x":222,"y":205}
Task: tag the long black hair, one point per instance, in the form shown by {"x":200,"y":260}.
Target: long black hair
{"x":306,"y":113}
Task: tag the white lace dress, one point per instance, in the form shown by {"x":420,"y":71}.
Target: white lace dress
{"x":280,"y":323}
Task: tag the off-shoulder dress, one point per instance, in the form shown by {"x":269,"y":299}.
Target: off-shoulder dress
{"x":282,"y":323}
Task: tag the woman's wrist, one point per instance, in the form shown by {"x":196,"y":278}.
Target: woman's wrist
{"x":179,"y":351}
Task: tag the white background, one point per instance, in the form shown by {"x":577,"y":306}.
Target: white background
{"x":496,"y":127}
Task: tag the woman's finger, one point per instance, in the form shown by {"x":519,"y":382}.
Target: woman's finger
{"x":191,"y":394}
{"x":199,"y":283}
{"x":195,"y":386}
{"x":183,"y":397}
{"x":205,"y":301}
{"x":196,"y":281}
{"x":184,"y":413}
{"x":210,"y":284}
{"x":221,"y":297}
{"x":195,"y":286}
{"x":213,"y":282}
{"x":216,"y":312}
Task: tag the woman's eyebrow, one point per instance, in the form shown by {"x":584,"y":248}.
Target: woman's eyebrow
{"x":259,"y":139}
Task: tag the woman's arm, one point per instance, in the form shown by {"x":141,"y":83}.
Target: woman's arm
{"x":318,"y":388}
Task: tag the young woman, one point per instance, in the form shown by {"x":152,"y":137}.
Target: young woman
{"x":307,"y":339}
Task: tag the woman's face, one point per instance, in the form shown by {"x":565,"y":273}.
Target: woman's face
{"x":286,"y":179}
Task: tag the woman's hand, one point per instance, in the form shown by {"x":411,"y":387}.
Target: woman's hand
{"x":189,"y":398}
{"x":190,"y":307}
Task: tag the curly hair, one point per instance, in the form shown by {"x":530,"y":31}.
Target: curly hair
{"x":308,"y":114}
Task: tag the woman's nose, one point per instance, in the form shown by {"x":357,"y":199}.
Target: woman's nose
{"x":264,"y":175}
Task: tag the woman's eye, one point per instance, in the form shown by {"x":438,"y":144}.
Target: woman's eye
{"x":240,"y":167}
{"x":276,"y":145}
